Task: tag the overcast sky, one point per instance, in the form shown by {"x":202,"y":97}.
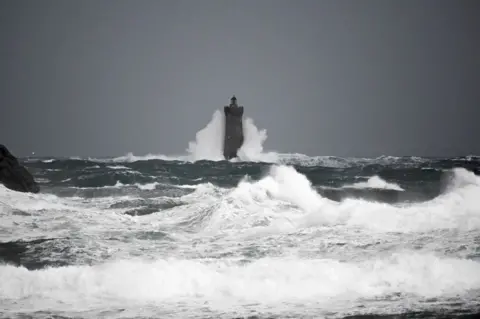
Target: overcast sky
{"x":345,"y":78}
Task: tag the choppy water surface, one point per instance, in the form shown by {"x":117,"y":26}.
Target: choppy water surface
{"x":304,"y":238}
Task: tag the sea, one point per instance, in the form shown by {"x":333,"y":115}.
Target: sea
{"x":266,"y":235}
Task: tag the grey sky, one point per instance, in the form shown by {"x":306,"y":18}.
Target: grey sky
{"x":346,"y":78}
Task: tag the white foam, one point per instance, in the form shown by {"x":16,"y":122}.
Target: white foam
{"x":148,"y":186}
{"x":55,"y":216}
{"x":130,"y":158}
{"x":118,"y":167}
{"x":225,"y":284}
{"x":118,"y":184}
{"x":375,"y":182}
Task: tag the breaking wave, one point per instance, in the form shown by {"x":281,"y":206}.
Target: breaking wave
{"x":268,"y":283}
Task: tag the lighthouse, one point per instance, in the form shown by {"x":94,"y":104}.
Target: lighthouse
{"x":233,"y":139}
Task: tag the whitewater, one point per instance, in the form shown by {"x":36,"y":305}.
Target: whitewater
{"x":267,"y":235}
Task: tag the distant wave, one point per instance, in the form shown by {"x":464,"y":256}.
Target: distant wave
{"x":278,"y":158}
{"x":375,"y":182}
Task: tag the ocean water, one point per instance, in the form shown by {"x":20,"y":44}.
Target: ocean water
{"x":268,"y":235}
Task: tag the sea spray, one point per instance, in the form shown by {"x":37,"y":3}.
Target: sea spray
{"x":208,"y":144}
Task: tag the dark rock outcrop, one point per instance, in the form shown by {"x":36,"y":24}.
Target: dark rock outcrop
{"x":13,"y":175}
